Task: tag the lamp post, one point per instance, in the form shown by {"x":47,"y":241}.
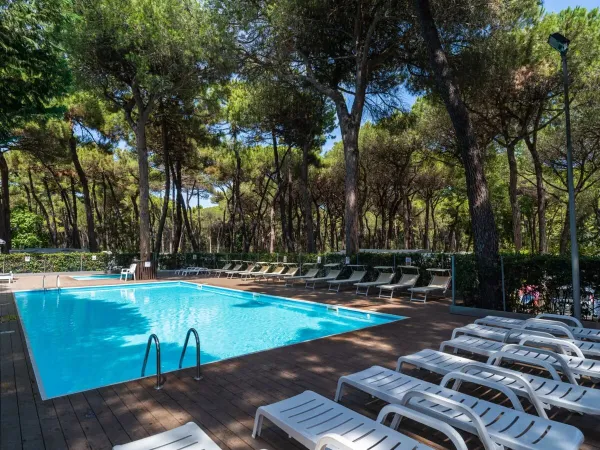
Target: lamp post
{"x":561,"y":43}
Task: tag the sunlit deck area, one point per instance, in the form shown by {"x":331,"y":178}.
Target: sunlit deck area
{"x":225,"y":401}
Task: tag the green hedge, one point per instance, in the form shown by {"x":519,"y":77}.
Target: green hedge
{"x":538,"y":277}
{"x":54,"y":262}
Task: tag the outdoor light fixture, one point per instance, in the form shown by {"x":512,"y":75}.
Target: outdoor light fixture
{"x":558,"y":42}
{"x":561,"y":43}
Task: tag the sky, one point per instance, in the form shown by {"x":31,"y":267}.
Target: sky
{"x":549,"y":5}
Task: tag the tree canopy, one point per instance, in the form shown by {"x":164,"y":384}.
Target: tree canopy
{"x":173,"y":125}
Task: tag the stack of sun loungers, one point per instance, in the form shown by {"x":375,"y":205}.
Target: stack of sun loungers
{"x":317,"y":422}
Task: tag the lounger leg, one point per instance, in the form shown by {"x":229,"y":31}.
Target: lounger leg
{"x":258,"y":421}
{"x":338,"y":391}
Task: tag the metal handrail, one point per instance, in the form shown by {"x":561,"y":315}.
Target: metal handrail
{"x":187,"y":338}
{"x":159,"y":381}
{"x":58,"y":282}
{"x":44,"y":282}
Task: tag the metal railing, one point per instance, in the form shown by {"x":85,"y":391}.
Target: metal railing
{"x":58,"y":282}
{"x":187,"y":338}
{"x":159,"y":379}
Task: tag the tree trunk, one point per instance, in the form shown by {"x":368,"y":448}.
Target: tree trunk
{"x":407,"y":217}
{"x":178,"y":217}
{"x":5,"y":207}
{"x":350,"y":130}
{"x":43,"y":209}
{"x":76,"y":240}
{"x":52,"y":211}
{"x":290,"y":216}
{"x":513,"y":196}
{"x":165,"y":205}
{"x":564,"y":234}
{"x":307,"y":202}
{"x":541,"y":194}
{"x":100,"y":235}
{"x":426,"y":230}
{"x":177,"y":179}
{"x":482,"y":217}
{"x":89,"y":214}
{"x":144,"y":201}
{"x":272,"y":228}
{"x":280,"y":196}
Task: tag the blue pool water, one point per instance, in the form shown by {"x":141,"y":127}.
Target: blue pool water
{"x":84,"y":338}
{"x":101,"y":276}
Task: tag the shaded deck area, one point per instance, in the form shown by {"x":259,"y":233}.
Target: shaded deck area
{"x":225,"y":401}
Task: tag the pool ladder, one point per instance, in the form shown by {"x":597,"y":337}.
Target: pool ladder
{"x":160,"y":380}
{"x":57,"y":282}
{"x":187,"y":338}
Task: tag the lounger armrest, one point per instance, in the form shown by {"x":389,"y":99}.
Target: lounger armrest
{"x":335,"y":440}
{"x":548,"y":325}
{"x":565,"y":369}
{"x":460,"y":377}
{"x":559,"y":344}
{"x":497,"y":358}
{"x":560,"y":318}
{"x":468,"y":332}
{"x":511,"y":375}
{"x":510,"y":333}
{"x":425,"y":419}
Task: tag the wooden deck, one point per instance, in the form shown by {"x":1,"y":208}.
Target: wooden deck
{"x":225,"y":401}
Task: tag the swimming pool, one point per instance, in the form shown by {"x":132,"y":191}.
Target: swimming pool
{"x":84,"y":338}
{"x":100,"y":276}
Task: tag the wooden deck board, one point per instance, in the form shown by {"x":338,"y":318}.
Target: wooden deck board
{"x":225,"y":401}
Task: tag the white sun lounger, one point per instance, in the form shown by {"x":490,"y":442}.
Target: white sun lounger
{"x":266,"y":275}
{"x":189,"y":437}
{"x":513,"y":428}
{"x":249,"y":273}
{"x":281,"y":276}
{"x":7,"y":277}
{"x":233,"y":272}
{"x":407,"y":281}
{"x":355,"y":277}
{"x":259,"y":273}
{"x":289,"y":281}
{"x":567,"y":358}
{"x":438,"y":284}
{"x":321,"y":424}
{"x":588,"y":348}
{"x":225,"y":268}
{"x":246,"y":271}
{"x":195,"y":271}
{"x":331,"y":275}
{"x":574,"y":325}
{"x":236,"y":268}
{"x":383,"y":278}
{"x":181,"y":270}
{"x":535,"y":388}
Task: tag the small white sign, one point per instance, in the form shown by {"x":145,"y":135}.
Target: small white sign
{"x":347,"y":260}
{"x":194,"y":256}
{"x":94,"y":257}
{"x":318,"y":260}
{"x":285,"y":259}
{"x":408,"y":260}
{"x":27,"y":258}
{"x":147,"y":263}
